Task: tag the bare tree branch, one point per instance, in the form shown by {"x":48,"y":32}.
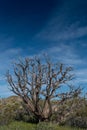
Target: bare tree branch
{"x":36,"y":82}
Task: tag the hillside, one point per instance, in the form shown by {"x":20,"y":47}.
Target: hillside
{"x":72,"y":112}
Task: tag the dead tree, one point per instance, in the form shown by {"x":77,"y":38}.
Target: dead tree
{"x":38,"y":83}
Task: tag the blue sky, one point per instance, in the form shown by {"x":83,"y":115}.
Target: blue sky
{"x":56,"y":27}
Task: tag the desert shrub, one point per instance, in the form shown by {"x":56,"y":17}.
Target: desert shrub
{"x":79,"y":116}
{"x":72,"y":113}
{"x":24,"y":115}
{"x":80,"y":122}
{"x":29,"y":118}
{"x":13,"y":109}
{"x":7,"y":113}
{"x":9,"y":110}
{"x":44,"y":126}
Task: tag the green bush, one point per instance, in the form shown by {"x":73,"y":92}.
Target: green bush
{"x":7,"y":114}
{"x":9,"y":110}
{"x":12,"y":109}
{"x":80,"y":122}
{"x":44,"y":126}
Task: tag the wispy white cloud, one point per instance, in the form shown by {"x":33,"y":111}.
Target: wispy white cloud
{"x":9,"y":55}
{"x":71,"y":33}
{"x":4,"y":91}
{"x":58,"y":30}
{"x":68,"y":55}
{"x":82,"y":72}
{"x":62,"y":33}
{"x":2,"y":78}
{"x":6,"y":59}
{"x":64,"y":24}
{"x":64,"y":53}
{"x":81,"y":76}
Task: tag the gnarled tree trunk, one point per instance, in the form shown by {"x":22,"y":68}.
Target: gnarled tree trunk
{"x":38,"y":83}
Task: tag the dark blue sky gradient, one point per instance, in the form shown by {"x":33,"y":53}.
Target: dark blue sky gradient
{"x":34,"y":27}
{"x":22,"y":19}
